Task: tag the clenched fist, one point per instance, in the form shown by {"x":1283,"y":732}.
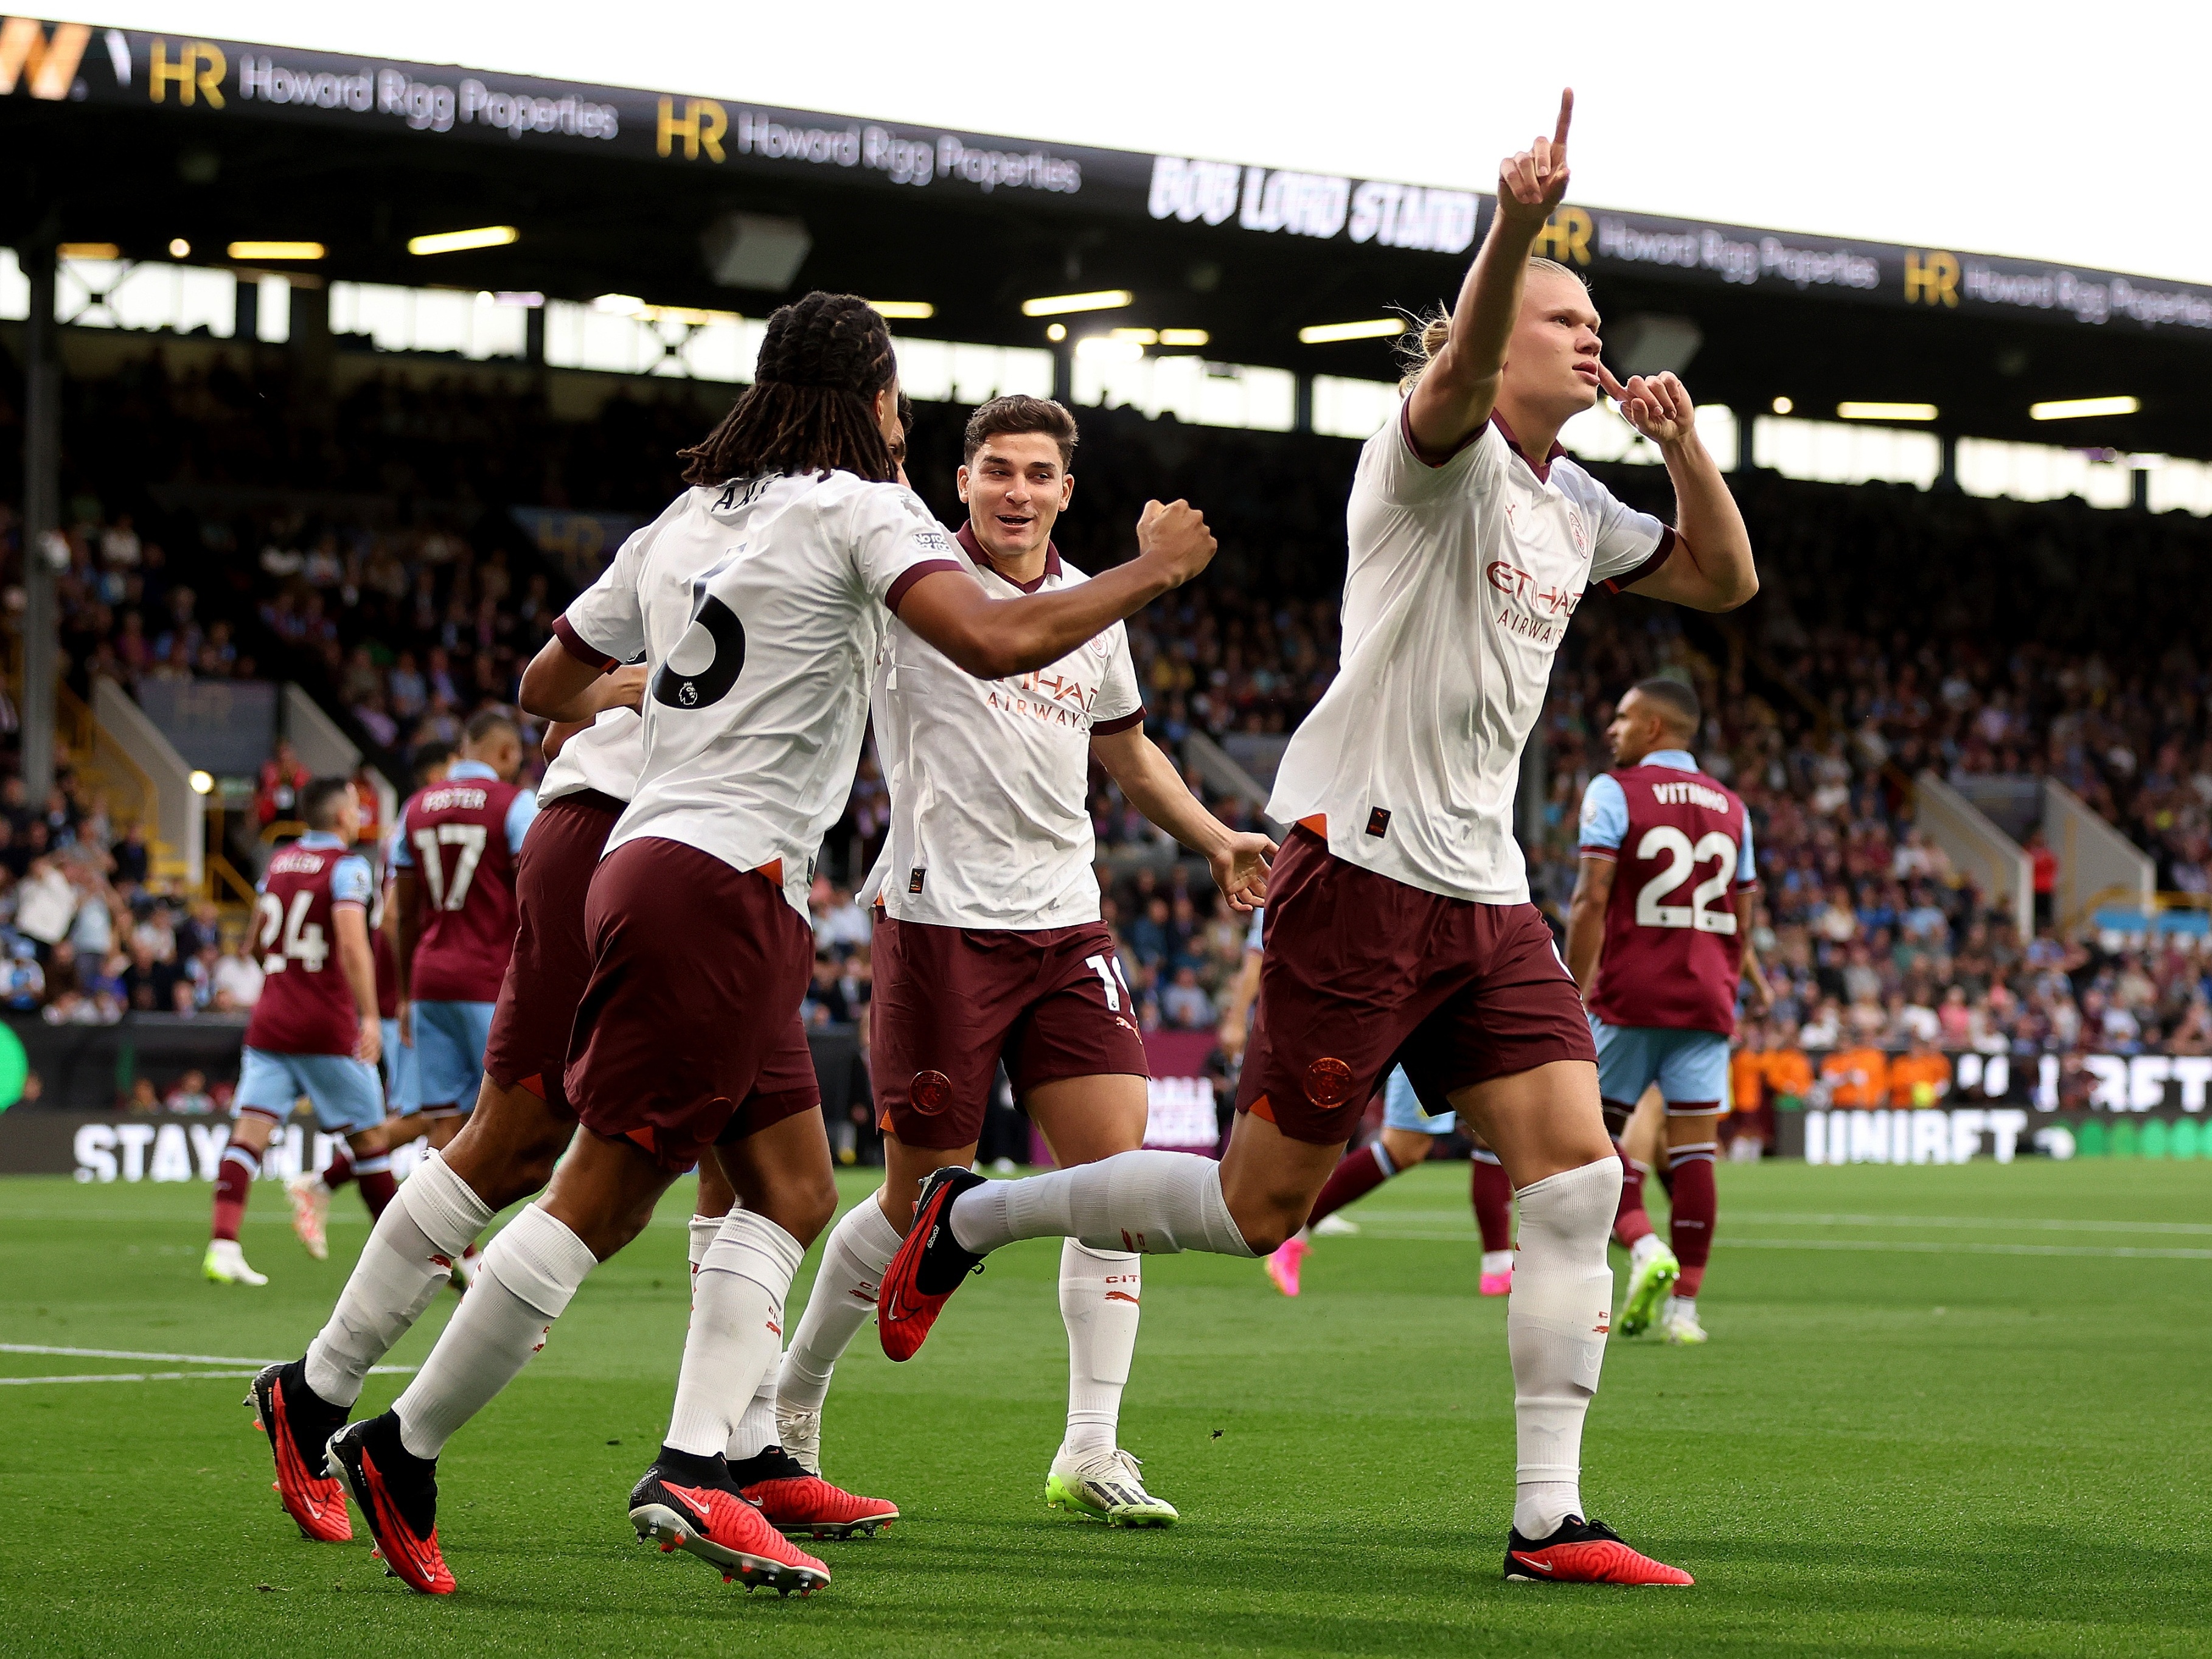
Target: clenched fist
{"x":1174,"y":538}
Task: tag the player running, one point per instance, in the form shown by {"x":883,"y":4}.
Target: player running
{"x":314,"y":1031}
{"x":453,"y":847}
{"x":1409,"y":1135}
{"x":310,"y":1190}
{"x":1399,"y":925}
{"x":1659,"y":956}
{"x":760,"y":599}
{"x":988,"y":945}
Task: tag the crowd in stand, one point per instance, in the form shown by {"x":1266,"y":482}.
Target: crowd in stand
{"x":385,"y":586}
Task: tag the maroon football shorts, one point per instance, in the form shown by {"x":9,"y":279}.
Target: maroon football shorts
{"x":688,"y":1034}
{"x":1362,"y":972}
{"x":949,"y":1003}
{"x":552,"y":960}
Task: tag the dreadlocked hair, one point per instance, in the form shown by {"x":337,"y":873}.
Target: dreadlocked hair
{"x":810,"y":407}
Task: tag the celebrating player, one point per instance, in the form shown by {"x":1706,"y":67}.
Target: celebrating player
{"x":989,"y":944}
{"x":1409,"y":1135}
{"x":759,"y":600}
{"x":314,"y":1031}
{"x":1399,"y":924}
{"x":1658,"y":960}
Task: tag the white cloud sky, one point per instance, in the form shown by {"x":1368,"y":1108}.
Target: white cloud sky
{"x":2046,"y":132}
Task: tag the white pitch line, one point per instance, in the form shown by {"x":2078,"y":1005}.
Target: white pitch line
{"x":1800,"y":1218}
{"x":1788,"y":1217}
{"x":127,"y":1377}
{"x":1917,"y":1247}
{"x":173,"y":1358}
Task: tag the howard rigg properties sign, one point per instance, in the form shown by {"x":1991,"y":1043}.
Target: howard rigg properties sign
{"x":207,"y":80}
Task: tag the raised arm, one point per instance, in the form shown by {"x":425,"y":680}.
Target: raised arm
{"x":1459,"y":388}
{"x":993,"y":638}
{"x":1711,"y":567}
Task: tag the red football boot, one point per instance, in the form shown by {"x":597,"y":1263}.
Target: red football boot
{"x":398,"y":1492}
{"x":1584,"y":1552}
{"x":803,"y":1505}
{"x":928,"y":1267}
{"x":688,"y":1503}
{"x":299,"y":1426}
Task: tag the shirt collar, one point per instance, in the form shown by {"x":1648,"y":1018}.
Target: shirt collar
{"x":1542,"y":469}
{"x":316,"y":840}
{"x":469,"y":768}
{"x":1680,"y":759}
{"x":966,"y":537}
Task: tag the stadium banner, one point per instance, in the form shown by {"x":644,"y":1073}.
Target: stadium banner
{"x":200,"y":80}
{"x":2078,"y":1082}
{"x":1180,"y":1112}
{"x":1959,"y":1134}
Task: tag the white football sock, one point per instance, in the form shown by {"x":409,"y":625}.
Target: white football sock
{"x":1497,"y":1261}
{"x":1153,"y":1203}
{"x":409,"y":1254}
{"x":524,"y":1282}
{"x":755,"y":1431}
{"x":703,"y":1229}
{"x":861,"y":1247}
{"x":1098,"y":1295}
{"x":1555,"y":1327}
{"x":737,"y":1330}
{"x":1645,"y":1249}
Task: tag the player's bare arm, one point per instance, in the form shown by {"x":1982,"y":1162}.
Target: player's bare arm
{"x":1586,"y":921}
{"x":350,"y":923}
{"x":1151,"y":784}
{"x":404,"y":921}
{"x":1711,"y":567}
{"x":1459,"y":388}
{"x":1754,"y":974}
{"x":993,"y":638}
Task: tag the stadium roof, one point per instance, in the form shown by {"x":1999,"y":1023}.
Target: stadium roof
{"x":136,"y":139}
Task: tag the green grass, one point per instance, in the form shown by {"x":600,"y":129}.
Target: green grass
{"x":1905,"y":1438}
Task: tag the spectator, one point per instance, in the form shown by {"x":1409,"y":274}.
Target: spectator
{"x":24,"y":980}
{"x":825,"y":1003}
{"x":1857,"y":1076}
{"x":1184,"y":1003}
{"x":237,"y":981}
{"x":1920,"y":1076}
{"x":276,"y":798}
{"x":46,"y":903}
{"x":190,"y":1098}
{"x":2043,"y":868}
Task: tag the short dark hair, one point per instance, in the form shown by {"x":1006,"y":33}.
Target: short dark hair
{"x":487,"y":721}
{"x":437,"y":752}
{"x":1677,"y":699}
{"x":321,"y":800}
{"x":811,"y":406}
{"x":1018,"y":413}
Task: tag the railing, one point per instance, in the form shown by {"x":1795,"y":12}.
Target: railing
{"x":130,"y":793}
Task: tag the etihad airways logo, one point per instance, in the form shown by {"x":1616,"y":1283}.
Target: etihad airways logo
{"x":1535,"y":610}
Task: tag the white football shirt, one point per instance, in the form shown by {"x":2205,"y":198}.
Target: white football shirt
{"x":990,"y":824}
{"x":760,"y":607}
{"x":605,"y":755}
{"x":1462,"y":577}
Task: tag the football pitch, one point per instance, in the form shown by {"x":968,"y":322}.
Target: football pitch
{"x":1945,"y":1410}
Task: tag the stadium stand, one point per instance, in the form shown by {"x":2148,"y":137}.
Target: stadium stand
{"x":221,"y":530}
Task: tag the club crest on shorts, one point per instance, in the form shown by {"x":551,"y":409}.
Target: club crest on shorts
{"x":1328,"y":1081}
{"x":929,"y":1092}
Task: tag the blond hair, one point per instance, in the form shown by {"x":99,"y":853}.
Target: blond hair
{"x":1418,"y":346}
